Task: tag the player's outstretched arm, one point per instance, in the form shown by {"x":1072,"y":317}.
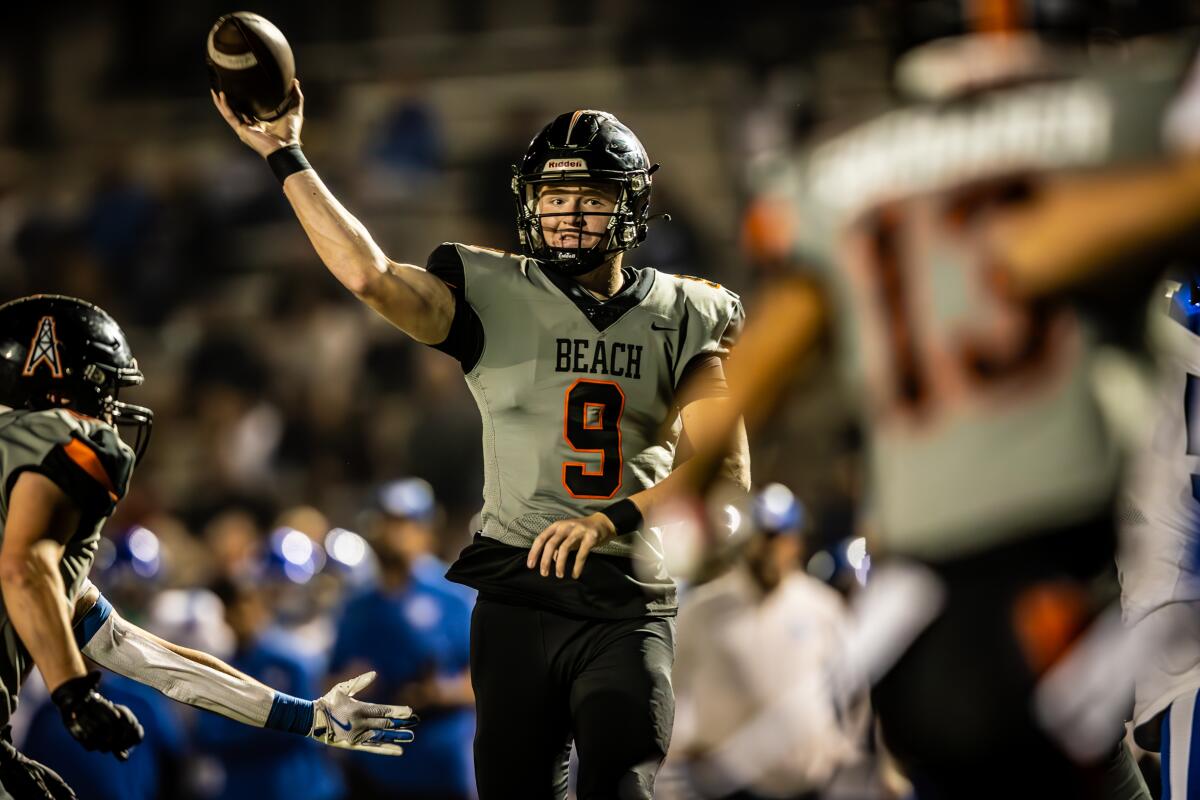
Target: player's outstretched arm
{"x":40,"y":518}
{"x":780,"y":333}
{"x":1078,"y":226}
{"x":406,"y":295}
{"x":202,"y":680}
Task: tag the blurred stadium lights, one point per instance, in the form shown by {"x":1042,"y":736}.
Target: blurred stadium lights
{"x":298,"y":556}
{"x":778,"y":510}
{"x":296,"y":548}
{"x":346,"y":547}
{"x":858,"y":559}
{"x":734,"y":517}
{"x":856,"y":551}
{"x":144,"y":547}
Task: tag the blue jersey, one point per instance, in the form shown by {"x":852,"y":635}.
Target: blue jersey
{"x":420,"y":631}
{"x":262,"y":764}
{"x":431,"y":571}
{"x":99,"y":776}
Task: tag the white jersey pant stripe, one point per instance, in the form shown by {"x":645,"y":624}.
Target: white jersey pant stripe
{"x":1181,"y":749}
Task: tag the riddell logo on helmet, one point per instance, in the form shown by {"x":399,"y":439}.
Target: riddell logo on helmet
{"x":564,"y":164}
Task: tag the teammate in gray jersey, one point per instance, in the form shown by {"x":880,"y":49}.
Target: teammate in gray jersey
{"x":63,"y":469}
{"x":585,"y":371}
{"x":952,"y":236}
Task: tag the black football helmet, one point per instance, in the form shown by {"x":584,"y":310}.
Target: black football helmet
{"x":584,"y":147}
{"x":61,"y":352}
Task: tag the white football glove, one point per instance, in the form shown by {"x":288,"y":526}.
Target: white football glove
{"x":341,"y":721}
{"x":1085,"y":698}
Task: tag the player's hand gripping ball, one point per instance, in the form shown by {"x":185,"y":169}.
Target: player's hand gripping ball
{"x":251,"y":62}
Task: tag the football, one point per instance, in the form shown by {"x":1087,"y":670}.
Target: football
{"x":251,"y":62}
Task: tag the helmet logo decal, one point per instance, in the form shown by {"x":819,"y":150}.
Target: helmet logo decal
{"x":44,"y":349}
{"x":575,"y":118}
{"x":564,"y":164}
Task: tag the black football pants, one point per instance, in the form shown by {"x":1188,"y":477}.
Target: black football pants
{"x":23,"y":778}
{"x":543,"y":679}
{"x":956,"y":710}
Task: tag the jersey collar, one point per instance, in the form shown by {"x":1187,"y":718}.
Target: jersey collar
{"x":603,"y":314}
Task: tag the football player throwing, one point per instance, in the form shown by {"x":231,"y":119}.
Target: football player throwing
{"x":585,"y":371}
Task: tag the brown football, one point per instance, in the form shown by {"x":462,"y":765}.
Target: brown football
{"x":251,"y":62}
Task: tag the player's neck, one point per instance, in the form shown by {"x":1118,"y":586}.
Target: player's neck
{"x":605,"y":280}
{"x":394,"y":578}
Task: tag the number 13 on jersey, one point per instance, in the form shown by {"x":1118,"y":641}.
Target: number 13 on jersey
{"x":592,"y":424}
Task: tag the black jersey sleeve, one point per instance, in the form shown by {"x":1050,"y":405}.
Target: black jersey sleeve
{"x":95,"y":480}
{"x":465,"y":339}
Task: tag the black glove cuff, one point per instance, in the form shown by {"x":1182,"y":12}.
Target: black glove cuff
{"x":625,"y":516}
{"x":76,"y":690}
{"x":287,"y":161}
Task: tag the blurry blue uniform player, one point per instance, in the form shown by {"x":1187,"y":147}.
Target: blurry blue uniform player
{"x":152,"y":770}
{"x":265,"y":765}
{"x":414,"y":629}
{"x":409,"y":505}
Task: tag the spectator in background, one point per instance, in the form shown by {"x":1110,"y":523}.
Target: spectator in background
{"x":303,"y":595}
{"x":129,"y":567}
{"x":119,"y":218}
{"x":406,"y":512}
{"x":261,"y":764}
{"x":413,"y":628}
{"x":406,"y":153}
{"x":756,"y":716}
{"x":444,"y":440}
{"x":240,"y":426}
{"x":490,"y":175}
{"x":234,"y":538}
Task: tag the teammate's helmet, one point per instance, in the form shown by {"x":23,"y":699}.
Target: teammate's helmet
{"x":584,"y":147}
{"x":61,"y":352}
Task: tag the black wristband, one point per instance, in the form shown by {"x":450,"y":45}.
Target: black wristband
{"x":286,"y":161}
{"x":625,"y":515}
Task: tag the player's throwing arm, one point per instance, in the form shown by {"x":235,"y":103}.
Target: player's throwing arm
{"x":407,"y":296}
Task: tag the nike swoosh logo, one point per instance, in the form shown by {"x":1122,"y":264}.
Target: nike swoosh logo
{"x":654,"y":327}
{"x":343,"y":725}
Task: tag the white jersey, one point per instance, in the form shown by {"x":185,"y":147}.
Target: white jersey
{"x":581,"y":407}
{"x":1160,"y":510}
{"x":983,"y":422}
{"x":579,"y":398}
{"x":753,"y":685}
